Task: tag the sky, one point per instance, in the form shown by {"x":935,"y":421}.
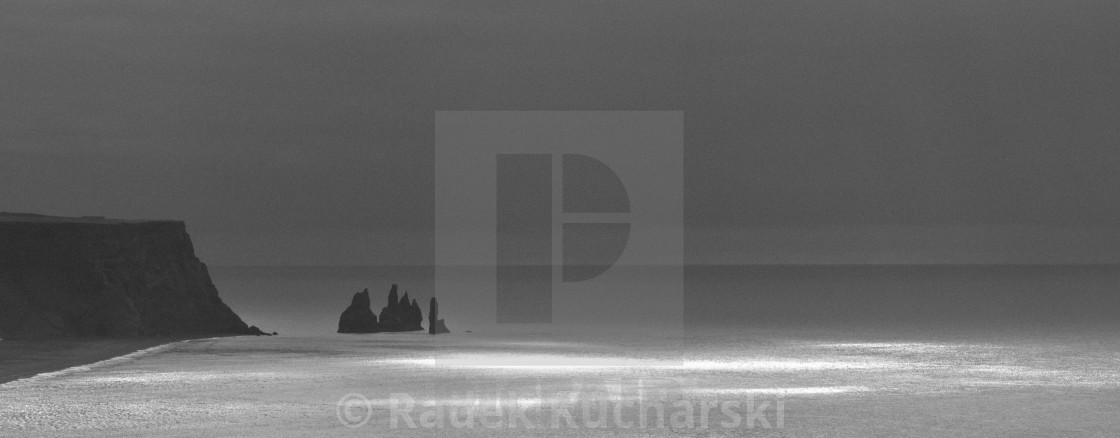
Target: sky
{"x":815,"y":132}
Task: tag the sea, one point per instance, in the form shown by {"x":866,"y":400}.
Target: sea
{"x":764,"y":351}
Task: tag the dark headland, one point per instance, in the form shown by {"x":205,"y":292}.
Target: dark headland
{"x":98,"y":288}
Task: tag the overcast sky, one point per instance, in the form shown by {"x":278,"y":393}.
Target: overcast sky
{"x":839,"y":132}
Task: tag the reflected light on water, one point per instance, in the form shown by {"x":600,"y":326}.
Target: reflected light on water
{"x":547,"y":362}
{"x":815,"y":390}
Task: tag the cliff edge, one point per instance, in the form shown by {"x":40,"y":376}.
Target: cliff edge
{"x":91,"y":276}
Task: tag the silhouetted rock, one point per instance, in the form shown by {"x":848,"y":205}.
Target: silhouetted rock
{"x":393,"y":300}
{"x":399,"y":315}
{"x":435,"y":324}
{"x":111,"y":316}
{"x":97,"y":277}
{"x":389,"y":315}
{"x":417,"y":315}
{"x":358,"y":318}
{"x":253,"y":330}
{"x":405,"y":305}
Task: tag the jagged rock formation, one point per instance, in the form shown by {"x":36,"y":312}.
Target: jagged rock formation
{"x":96,"y":277}
{"x":417,"y":315}
{"x":389,"y":316}
{"x":358,"y":318}
{"x":435,"y":324}
{"x":400,"y":315}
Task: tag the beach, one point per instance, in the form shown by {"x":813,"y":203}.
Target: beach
{"x":745,"y":376}
{"x":21,"y":358}
{"x":779,"y":382}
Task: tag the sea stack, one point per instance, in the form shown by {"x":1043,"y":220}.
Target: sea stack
{"x":358,"y":318}
{"x":417,"y":315}
{"x":435,"y":324}
{"x":399,"y":315}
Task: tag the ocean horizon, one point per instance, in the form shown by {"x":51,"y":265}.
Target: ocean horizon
{"x":307,"y":300}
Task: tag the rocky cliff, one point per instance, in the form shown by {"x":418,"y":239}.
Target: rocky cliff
{"x":95,"y":277}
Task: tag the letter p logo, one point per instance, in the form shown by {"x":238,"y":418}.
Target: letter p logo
{"x":560,"y":218}
{"x":525,"y":229}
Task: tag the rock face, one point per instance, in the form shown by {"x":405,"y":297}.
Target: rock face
{"x":255,"y":331}
{"x":435,"y":324}
{"x":358,"y":318}
{"x":400,"y":315}
{"x":95,"y":277}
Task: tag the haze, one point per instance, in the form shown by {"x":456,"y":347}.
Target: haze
{"x":843,"y":132}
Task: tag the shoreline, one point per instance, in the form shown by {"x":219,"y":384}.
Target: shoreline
{"x":26,"y":358}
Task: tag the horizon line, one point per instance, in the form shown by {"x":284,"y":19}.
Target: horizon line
{"x":368,"y":265}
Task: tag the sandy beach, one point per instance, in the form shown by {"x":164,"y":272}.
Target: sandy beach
{"x":21,"y":358}
{"x":830,"y":382}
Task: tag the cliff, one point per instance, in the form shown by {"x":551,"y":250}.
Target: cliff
{"x":95,"y":277}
